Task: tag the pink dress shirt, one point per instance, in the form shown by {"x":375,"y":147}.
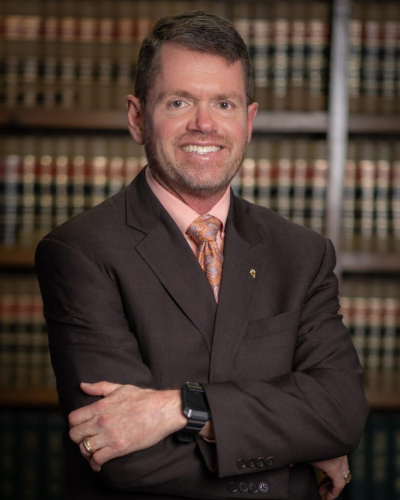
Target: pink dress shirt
{"x":183,"y":215}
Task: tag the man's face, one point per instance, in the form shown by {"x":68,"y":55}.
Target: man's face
{"x":196,"y":123}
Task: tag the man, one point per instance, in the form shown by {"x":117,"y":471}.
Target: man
{"x":275,"y":381}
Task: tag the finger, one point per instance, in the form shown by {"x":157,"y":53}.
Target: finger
{"x":81,"y":415}
{"x":99,"y":388}
{"x":80,"y":432}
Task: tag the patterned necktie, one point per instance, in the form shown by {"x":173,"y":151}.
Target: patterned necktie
{"x":204,"y":231}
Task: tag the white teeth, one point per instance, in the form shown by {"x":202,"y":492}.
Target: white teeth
{"x":201,"y":150}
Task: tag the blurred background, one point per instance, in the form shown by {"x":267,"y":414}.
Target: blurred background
{"x":325,"y":153}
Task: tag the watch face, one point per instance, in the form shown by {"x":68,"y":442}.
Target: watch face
{"x":196,"y":401}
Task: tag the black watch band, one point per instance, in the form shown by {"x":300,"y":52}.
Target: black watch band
{"x":195,"y":408}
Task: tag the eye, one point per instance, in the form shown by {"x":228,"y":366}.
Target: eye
{"x":225,"y":105}
{"x":177,"y":104}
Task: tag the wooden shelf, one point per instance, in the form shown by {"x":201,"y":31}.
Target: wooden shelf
{"x":272,"y":122}
{"x":17,"y":257}
{"x":32,"y":397}
{"x":369,"y":262}
{"x":383,"y":391}
{"x":374,"y":124}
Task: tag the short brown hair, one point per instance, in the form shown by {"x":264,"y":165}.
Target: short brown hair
{"x":197,"y":31}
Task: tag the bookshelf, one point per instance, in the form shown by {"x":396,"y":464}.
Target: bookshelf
{"x":332,"y":122}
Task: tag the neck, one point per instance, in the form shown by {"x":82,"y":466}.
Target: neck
{"x":200,"y":203}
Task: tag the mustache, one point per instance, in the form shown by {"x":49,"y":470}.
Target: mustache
{"x":189,"y":137}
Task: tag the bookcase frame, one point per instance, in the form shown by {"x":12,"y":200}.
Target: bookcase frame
{"x":336,"y":124}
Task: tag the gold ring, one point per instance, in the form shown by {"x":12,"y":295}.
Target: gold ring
{"x":347,"y":477}
{"x":88,"y":448}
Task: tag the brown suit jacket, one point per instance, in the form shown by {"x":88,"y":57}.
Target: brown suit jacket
{"x":126,"y":301}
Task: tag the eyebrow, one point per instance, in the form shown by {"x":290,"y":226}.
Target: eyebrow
{"x":189,"y":95}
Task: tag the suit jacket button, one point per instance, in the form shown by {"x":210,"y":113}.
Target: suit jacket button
{"x":263,"y":487}
{"x":241,"y":463}
{"x":243,"y":487}
{"x":253,"y":488}
{"x":251,"y":462}
{"x":269,"y":461}
{"x":260,"y":462}
{"x":232,"y":487}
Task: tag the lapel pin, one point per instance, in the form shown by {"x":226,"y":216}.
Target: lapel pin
{"x":253,"y":272}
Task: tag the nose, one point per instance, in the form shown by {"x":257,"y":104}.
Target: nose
{"x":202,"y":119}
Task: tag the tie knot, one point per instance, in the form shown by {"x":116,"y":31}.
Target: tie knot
{"x":204,"y":228}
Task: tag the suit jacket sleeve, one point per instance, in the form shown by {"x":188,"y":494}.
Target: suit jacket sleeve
{"x":90,"y":341}
{"x":315,"y":412}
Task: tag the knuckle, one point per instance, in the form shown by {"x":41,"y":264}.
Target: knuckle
{"x":72,"y":435}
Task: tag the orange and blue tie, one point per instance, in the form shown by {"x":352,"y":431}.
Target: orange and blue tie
{"x":204,"y":231}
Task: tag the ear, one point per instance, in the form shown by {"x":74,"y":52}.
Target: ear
{"x":135,"y":118}
{"x":251,"y":114}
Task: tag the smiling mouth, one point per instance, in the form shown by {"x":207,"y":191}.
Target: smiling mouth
{"x":201,"y":150}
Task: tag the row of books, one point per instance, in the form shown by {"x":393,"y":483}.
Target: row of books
{"x":371,"y":312}
{"x":371,"y":196}
{"x":24,"y":352}
{"x":375,"y":465}
{"x":374,"y":58}
{"x":83,"y":53}
{"x":32,"y":459}
{"x":45,"y":180}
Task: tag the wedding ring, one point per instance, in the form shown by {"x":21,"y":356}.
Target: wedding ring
{"x":89,"y":449}
{"x":347,"y":477}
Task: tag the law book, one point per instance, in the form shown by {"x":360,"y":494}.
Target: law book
{"x":125,"y":58}
{"x":68,"y":50}
{"x":116,"y":176}
{"x":39,"y":344}
{"x":9,"y":198}
{"x":55,"y":461}
{"x":135,"y":159}
{"x":370,"y":67}
{"x":23,"y":331}
{"x":44,"y":199}
{"x":7,"y":337}
{"x":60,"y":181}
{"x":382,"y":195}
{"x":249,"y":175}
{"x":8,"y":462}
{"x":78,"y":175}
{"x":264,"y":173}
{"x":349,"y":198}
{"x":48,"y":94}
{"x":284,"y":178}
{"x":317,"y":48}
{"x":318,"y":186}
{"x":374,"y":337}
{"x":360,"y":308}
{"x":395,"y":202}
{"x":296,"y":85}
{"x":396,"y":457}
{"x":280,"y":56}
{"x":27,"y":194}
{"x":354,"y":58}
{"x":98,"y":171}
{"x":300,"y":181}
{"x":262,"y":33}
{"x":390,"y":31}
{"x":367,"y":166}
{"x":380,"y":457}
{"x":86,"y":56}
{"x":30,"y":457}
{"x":391,"y":307}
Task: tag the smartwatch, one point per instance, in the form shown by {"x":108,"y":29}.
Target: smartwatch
{"x":195,"y":408}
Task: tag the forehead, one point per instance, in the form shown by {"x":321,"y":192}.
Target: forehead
{"x":180,"y":68}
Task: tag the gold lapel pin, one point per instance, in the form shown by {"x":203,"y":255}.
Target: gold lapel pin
{"x":253,"y":272}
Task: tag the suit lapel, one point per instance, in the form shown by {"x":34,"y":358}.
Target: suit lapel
{"x":244,"y":251}
{"x":166,"y":251}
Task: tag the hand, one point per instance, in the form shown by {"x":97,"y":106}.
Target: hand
{"x":335,"y":470}
{"x":127,"y":419}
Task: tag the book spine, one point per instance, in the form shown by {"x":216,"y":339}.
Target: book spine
{"x":319,"y":183}
{"x":349,"y":198}
{"x":249,"y":175}
{"x":280,"y":57}
{"x":367,"y":167}
{"x":10,"y":201}
{"x":261,"y":55}
{"x":296,"y":93}
{"x":284,"y":180}
{"x":354,"y":58}
{"x":44,"y":209}
{"x":382,"y":197}
{"x":55,"y":475}
{"x":370,"y":63}
{"x":390,"y":36}
{"x":264,"y":173}
{"x":27,"y":200}
{"x":300,"y":180}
